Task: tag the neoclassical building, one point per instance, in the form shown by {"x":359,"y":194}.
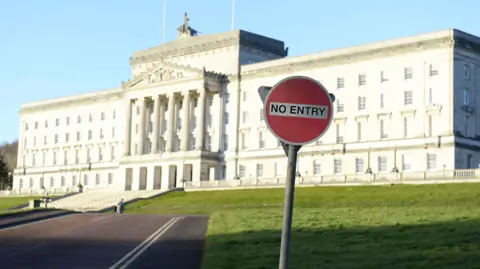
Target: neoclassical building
{"x":191,"y":112}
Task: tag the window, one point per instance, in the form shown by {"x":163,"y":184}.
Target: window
{"x":433,"y":71}
{"x":102,"y":116}
{"x":101,"y":133}
{"x":33,"y":160}
{"x":90,"y":117}
{"x":362,"y":103}
{"x":340,"y":107}
{"x":30,"y":183}
{"x":383,"y":78}
{"x":226,"y":118}
{"x":430,"y":96}
{"x":466,"y":72}
{"x":114,"y":114}
{"x":45,"y":140}
{"x":430,"y":125}
{"x":244,"y":141}
{"x":261,"y":115}
{"x":359,"y":131}
{"x":431,"y":161}
{"x":209,"y":142}
{"x":382,"y":104}
{"x":89,"y":134}
{"x":382,"y":164}
{"x":46,"y":124}
{"x":362,"y":80}
{"x":359,"y":165}
{"x":79,"y":119}
{"x":317,"y":167}
{"x":54,"y":157}
{"x":465,"y":126}
{"x":259,"y":170}
{"x":110,"y":178}
{"x":241,"y":171}
{"x":405,"y":127}
{"x":339,"y":135}
{"x":408,"y":73}
{"x":21,"y":183}
{"x":52,"y":182}
{"x":261,"y":140}
{"x":78,"y":136}
{"x":62,"y":181}
{"x":43,"y":157}
{"x":340,"y":83}
{"x":74,"y":181}
{"x":407,"y":98}
{"x":67,"y":137}
{"x":244,"y":96}
{"x":383,"y":134}
{"x":65,"y":157}
{"x":77,"y":153}
{"x":100,"y":154}
{"x":112,"y":153}
{"x":406,"y":165}
{"x":36,"y":125}
{"x":68,"y":120}
{"x":57,"y":122}
{"x":245,"y":116}
{"x":337,"y":166}
{"x":85,"y":180}
{"x":56,"y":139}
{"x":97,"y":179}
{"x":466,"y":97}
{"x":88,"y":155}
{"x":42,"y":182}
{"x":225,"y":142}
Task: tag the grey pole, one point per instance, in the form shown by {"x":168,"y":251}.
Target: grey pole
{"x":288,"y":206}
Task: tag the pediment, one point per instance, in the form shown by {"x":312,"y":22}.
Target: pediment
{"x":165,"y":72}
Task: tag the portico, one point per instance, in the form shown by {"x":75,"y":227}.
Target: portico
{"x":168,"y":127}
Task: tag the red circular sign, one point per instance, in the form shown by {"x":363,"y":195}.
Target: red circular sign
{"x":298,"y":110}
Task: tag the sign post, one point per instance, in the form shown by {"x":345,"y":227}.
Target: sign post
{"x":298,"y":110}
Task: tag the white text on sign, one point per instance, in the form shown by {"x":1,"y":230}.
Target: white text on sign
{"x":298,"y":110}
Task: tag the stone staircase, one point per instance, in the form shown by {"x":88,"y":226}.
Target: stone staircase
{"x":99,"y":199}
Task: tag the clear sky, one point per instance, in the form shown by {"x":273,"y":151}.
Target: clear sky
{"x":54,"y":48}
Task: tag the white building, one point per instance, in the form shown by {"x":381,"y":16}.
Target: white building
{"x":191,"y":112}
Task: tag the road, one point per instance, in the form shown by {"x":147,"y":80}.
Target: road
{"x":106,"y":241}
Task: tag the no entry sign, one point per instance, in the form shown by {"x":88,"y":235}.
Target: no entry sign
{"x":298,"y":110}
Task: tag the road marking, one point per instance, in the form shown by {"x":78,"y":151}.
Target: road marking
{"x":144,"y":245}
{"x":36,"y":222}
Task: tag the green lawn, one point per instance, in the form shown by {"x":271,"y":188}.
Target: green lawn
{"x":8,"y":202}
{"x":434,"y":226}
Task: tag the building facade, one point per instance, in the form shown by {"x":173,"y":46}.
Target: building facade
{"x":191,"y":112}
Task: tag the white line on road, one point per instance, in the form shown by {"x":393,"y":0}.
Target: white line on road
{"x":133,"y":255}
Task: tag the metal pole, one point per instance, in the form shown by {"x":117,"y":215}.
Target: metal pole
{"x":288,"y":206}
{"x":164,"y":20}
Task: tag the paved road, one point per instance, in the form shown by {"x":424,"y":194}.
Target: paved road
{"x":105,"y":241}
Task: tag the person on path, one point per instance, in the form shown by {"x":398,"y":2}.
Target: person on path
{"x":120,"y":207}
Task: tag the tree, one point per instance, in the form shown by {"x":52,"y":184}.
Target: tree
{"x":5,"y":178}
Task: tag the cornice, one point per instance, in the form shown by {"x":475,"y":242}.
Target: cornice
{"x":73,"y":101}
{"x":241,"y":38}
{"x":346,"y":58}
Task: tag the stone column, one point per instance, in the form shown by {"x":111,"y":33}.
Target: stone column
{"x":128,"y":128}
{"x":171,"y":121}
{"x":156,"y":122}
{"x":186,"y":120}
{"x":201,"y":120}
{"x":221,"y":126}
{"x":141,"y":126}
{"x":161,"y":117}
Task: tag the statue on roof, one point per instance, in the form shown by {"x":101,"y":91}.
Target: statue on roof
{"x":185,"y":29}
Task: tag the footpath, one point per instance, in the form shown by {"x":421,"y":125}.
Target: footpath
{"x":18,"y":218}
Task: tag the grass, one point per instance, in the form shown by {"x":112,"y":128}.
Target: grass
{"x":423,"y":226}
{"x":8,"y":202}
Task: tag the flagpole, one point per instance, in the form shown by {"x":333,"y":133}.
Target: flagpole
{"x":233,"y":12}
{"x":164,"y":20}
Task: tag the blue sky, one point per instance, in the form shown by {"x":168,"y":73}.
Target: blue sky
{"x":54,"y":48}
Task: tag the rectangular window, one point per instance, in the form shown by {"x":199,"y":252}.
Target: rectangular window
{"x":382,"y":164}
{"x":406,"y":165}
{"x":405,"y":127}
{"x":407,"y":98}
{"x":261,"y":140}
{"x":359,"y":165}
{"x":261,"y":115}
{"x":242,"y":171}
{"x":244,"y":116}
{"x":362,"y":103}
{"x":340,"y":107}
{"x":259,"y":170}
{"x":340,"y":83}
{"x":362,"y":80}
{"x":337,"y":166}
{"x":466,"y":72}
{"x":466,"y":97}
{"x":408,"y":73}
{"x":433,"y":71}
{"x":317,"y":167}
{"x":431,"y":161}
{"x":383,"y":134}
{"x":382,"y":104}
{"x":339,"y":134}
{"x":359,"y":131}
{"x":244,"y":141}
